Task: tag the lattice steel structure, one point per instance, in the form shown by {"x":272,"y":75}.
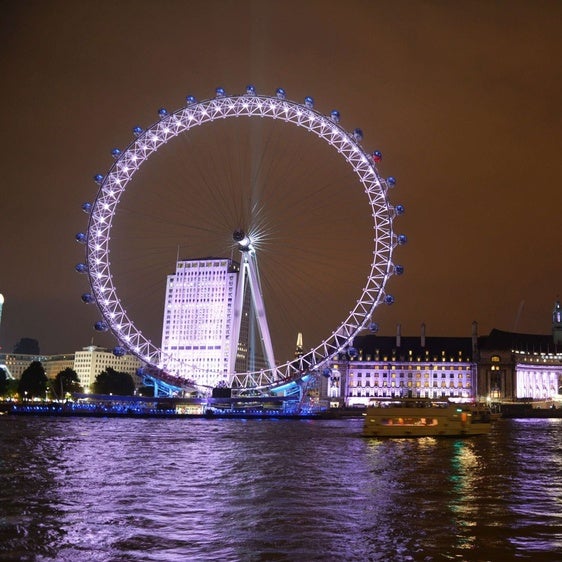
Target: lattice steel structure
{"x":345,"y":143}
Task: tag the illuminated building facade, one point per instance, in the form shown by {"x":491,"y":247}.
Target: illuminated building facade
{"x":514,"y":366}
{"x":417,"y":367}
{"x":54,"y":364}
{"x":16,"y":363}
{"x":92,"y":360}
{"x":500,"y":367}
{"x":198,"y":317}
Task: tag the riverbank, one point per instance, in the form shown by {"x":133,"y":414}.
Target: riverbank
{"x":109,"y":410}
{"x":528,"y":410}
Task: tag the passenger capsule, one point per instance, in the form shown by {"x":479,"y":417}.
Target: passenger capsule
{"x":280,"y":93}
{"x":220,"y":93}
{"x":137,"y":131}
{"x":377,"y":156}
{"x":402,"y":239}
{"x":87,"y":298}
{"x":87,"y":208}
{"x":326,"y":372}
{"x":399,"y":269}
{"x":374,"y":327}
{"x":162,"y":112}
{"x":116,"y":153}
{"x":190,"y":100}
{"x":400,"y":210}
{"x":389,"y":299}
{"x":81,"y":268}
{"x":309,"y":102}
{"x":335,"y":116}
{"x":101,"y":326}
{"x":81,"y":238}
{"x":352,"y":352}
{"x":357,"y":134}
{"x":98,"y":178}
{"x":391,"y":181}
{"x":119,"y":351}
{"x":250,"y":90}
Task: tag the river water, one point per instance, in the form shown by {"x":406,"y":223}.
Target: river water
{"x":80,"y":489}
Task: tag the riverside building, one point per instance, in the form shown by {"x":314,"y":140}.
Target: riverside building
{"x":92,"y":360}
{"x":514,"y":366}
{"x":198,"y":316}
{"x":399,"y":366}
{"x":500,"y":367}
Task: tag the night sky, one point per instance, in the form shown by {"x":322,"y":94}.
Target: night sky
{"x":462,"y":98}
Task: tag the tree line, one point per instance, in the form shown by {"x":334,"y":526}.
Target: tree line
{"x":34,"y":383}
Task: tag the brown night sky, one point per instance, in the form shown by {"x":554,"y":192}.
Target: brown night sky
{"x":462,"y":98}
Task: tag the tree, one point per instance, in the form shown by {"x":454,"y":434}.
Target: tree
{"x":111,"y":381}
{"x":8,"y":386}
{"x":3,"y":382}
{"x":27,"y":346}
{"x":65,"y":382}
{"x":33,"y":381}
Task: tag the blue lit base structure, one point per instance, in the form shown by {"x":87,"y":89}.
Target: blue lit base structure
{"x":296,"y":397}
{"x":223,"y":405}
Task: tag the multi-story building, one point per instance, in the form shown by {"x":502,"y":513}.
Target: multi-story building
{"x":514,"y":366}
{"x":54,"y":364}
{"x":398,"y":366}
{"x":198,"y":318}
{"x":92,"y":360}
{"x":502,"y":366}
{"x":16,"y":363}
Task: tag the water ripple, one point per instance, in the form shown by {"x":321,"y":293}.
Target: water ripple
{"x":275,"y":490}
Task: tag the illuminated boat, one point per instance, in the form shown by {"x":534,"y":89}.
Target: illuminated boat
{"x":421,"y":417}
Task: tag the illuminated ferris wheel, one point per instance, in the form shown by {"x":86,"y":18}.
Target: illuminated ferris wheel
{"x":360,"y":164}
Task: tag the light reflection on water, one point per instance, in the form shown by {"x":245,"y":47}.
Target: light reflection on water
{"x":174,"y":490}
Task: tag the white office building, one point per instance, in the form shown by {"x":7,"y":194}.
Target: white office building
{"x":198,"y":318}
{"x":92,"y":360}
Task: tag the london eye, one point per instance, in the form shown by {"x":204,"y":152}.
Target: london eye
{"x":290,"y":177}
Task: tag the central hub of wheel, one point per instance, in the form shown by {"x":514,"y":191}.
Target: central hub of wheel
{"x":244,"y":241}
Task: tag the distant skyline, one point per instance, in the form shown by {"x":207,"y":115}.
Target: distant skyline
{"x":463,"y":99}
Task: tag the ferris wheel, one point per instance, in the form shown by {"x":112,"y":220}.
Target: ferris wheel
{"x":344,"y":145}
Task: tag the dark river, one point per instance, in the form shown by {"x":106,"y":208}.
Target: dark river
{"x":79,"y":489}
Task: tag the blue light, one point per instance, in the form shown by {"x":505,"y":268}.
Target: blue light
{"x":87,"y":208}
{"x":389,"y":299}
{"x":220,"y":93}
{"x":398,"y":269}
{"x":101,"y":326}
{"x":402,"y":239}
{"x":309,"y":102}
{"x":400,"y":210}
{"x":190,"y":100}
{"x":280,"y":93}
{"x":335,"y":116}
{"x":137,"y":131}
{"x":87,"y":298}
{"x":250,"y":90}
{"x":357,"y":135}
{"x":391,"y":181}
{"x":162,"y":112}
{"x":81,"y":238}
{"x":98,"y":178}
{"x":81,"y":268}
